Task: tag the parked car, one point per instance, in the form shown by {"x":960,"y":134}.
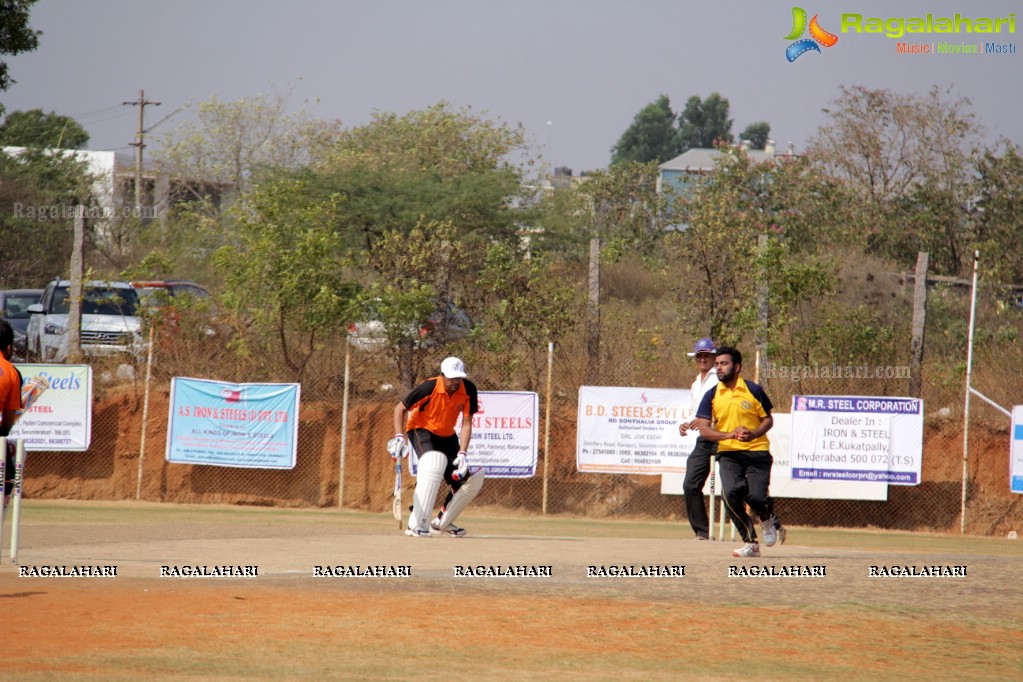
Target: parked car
{"x":149,"y":290}
{"x":109,"y":322}
{"x":14,"y":305}
{"x":171,"y":297}
{"x":445,"y":325}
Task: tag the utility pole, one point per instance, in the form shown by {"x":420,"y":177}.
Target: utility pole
{"x":139,"y":144}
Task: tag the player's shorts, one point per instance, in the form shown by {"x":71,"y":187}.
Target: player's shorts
{"x":424,"y":441}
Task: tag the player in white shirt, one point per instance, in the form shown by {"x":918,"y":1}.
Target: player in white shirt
{"x":698,"y":463}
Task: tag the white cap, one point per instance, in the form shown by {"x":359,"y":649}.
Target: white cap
{"x":453,"y":368}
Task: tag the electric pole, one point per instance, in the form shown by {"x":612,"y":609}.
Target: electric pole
{"x":141,"y":103}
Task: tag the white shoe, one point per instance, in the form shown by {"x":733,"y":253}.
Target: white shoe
{"x":417,"y":532}
{"x":769,"y":532}
{"x":451,"y":529}
{"x":750,"y":549}
{"x":774,"y":532}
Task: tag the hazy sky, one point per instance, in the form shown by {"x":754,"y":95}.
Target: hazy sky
{"x":585,"y":66}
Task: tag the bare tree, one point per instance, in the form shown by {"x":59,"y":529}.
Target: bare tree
{"x":229,"y":146}
{"x":888,"y":143}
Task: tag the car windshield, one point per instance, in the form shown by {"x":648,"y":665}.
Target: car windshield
{"x":159,"y":295}
{"x":98,"y":301}
{"x":188,"y":290}
{"x":16,"y":307}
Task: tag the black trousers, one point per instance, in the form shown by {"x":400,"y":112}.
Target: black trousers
{"x":745,"y":479}
{"x":697,"y":470}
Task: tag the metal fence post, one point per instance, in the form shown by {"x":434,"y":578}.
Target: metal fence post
{"x":344,"y":428}
{"x":547,"y":424}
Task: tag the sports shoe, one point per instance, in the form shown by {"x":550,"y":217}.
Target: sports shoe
{"x":451,"y":529}
{"x":750,"y":549}
{"x":769,"y":532}
{"x":703,"y":538}
{"x":417,"y":532}
{"x":773,"y":531}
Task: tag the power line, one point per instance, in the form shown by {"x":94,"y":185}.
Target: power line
{"x":97,"y":111}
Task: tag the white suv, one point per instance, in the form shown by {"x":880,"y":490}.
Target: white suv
{"x":109,"y":322}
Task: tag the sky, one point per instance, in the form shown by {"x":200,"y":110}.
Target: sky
{"x":574,"y":73}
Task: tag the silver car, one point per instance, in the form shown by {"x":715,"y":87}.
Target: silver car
{"x":443,"y":326}
{"x":109,"y":322}
{"x":14,"y":305}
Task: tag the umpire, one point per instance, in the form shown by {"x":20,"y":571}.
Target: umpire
{"x":698,"y":463}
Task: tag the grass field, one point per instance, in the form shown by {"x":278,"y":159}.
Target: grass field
{"x":285,"y":623}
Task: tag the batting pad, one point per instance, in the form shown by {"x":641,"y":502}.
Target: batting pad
{"x":428,"y":480}
{"x":469,"y":490}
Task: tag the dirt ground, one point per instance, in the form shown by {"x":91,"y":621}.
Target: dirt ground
{"x":285,"y":623}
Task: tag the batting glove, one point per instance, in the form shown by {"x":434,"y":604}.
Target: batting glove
{"x":461,"y":464}
{"x":397,"y":447}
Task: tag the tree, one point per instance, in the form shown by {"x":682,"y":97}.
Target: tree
{"x":38,"y":193}
{"x":757,"y":134}
{"x":35,"y":128}
{"x":998,"y":212}
{"x":231,"y":146}
{"x":625,"y":207}
{"x":657,"y":134}
{"x":886,"y":143}
{"x":414,"y":271}
{"x":704,"y":124}
{"x":721,"y":264}
{"x":16,"y":36}
{"x":521,"y":305}
{"x":908,"y":158}
{"x":286,"y":273}
{"x":434,"y":165}
{"x":562,"y":224}
{"x":652,"y":136}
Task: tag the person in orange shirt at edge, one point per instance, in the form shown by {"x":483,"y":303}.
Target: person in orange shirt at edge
{"x":429,"y":414}
{"x":740,"y":412}
{"x":10,"y":403}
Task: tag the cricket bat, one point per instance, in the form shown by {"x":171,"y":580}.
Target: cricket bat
{"x":396,"y":503}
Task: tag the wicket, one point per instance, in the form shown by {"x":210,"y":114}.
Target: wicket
{"x":15,"y":497}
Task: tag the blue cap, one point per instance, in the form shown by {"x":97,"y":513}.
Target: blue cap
{"x":704,"y":346}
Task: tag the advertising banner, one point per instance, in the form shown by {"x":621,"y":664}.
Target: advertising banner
{"x":233,"y":425}
{"x":61,"y":419}
{"x":505,"y":435}
{"x":782,"y":482}
{"x":857,"y":438}
{"x":627,"y":430}
{"x":1016,"y":451}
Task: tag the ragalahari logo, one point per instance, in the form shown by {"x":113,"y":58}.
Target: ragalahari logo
{"x":818,"y":35}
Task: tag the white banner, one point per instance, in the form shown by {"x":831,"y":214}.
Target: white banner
{"x":61,"y":419}
{"x":782,"y":483}
{"x":1016,"y":451}
{"x":857,"y":438}
{"x":628,"y":430}
{"x":505,"y":435}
